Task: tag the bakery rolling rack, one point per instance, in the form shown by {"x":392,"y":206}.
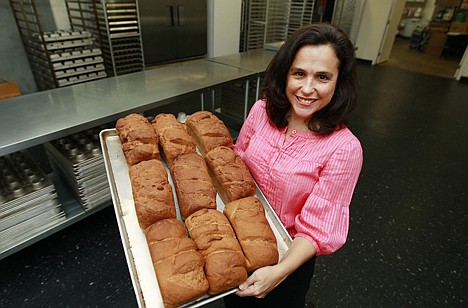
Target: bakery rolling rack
{"x":116,"y":25}
{"x":60,"y":57}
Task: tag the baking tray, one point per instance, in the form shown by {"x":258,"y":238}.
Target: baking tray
{"x":133,"y":238}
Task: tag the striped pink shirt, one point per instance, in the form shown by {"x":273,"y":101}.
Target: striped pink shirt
{"x":309,"y":179}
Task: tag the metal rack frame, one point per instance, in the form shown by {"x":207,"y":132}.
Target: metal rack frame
{"x":269,"y":21}
{"x":28,"y":23}
{"x":116,"y":25}
{"x":57,"y":58}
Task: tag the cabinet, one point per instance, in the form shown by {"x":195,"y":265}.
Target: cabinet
{"x":413,"y":8}
{"x":442,"y":21}
{"x":173,"y":29}
{"x":460,"y":20}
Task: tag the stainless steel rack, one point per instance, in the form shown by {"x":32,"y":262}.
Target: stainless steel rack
{"x":116,"y":25}
{"x":268,"y":21}
{"x":57,"y":58}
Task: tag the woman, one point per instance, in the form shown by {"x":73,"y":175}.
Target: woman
{"x":304,"y":158}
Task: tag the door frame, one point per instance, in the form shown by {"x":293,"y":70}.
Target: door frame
{"x":391,"y":30}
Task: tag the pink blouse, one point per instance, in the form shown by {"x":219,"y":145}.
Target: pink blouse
{"x":309,"y":179}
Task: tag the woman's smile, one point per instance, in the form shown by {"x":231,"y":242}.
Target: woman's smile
{"x":305,"y":101}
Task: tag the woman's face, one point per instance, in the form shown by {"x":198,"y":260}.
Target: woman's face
{"x":311,"y":80}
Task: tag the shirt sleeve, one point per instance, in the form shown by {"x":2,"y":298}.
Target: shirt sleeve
{"x":324,"y":219}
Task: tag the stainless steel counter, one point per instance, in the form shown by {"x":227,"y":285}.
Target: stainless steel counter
{"x":255,"y":61}
{"x":30,"y":120}
{"x":34,"y":119}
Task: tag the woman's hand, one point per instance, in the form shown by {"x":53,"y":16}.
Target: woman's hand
{"x":265,"y":279}
{"x":262,"y":281}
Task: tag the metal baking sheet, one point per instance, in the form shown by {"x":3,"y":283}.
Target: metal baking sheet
{"x":133,"y":238}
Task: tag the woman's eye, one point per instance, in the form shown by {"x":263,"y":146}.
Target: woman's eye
{"x":300,"y":74}
{"x":323,"y":77}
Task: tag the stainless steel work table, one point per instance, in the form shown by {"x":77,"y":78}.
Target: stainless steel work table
{"x":256,"y":61}
{"x":33,"y":119}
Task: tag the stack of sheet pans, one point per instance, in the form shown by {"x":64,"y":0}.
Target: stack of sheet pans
{"x":78,"y":160}
{"x":29,"y":204}
{"x":71,"y":54}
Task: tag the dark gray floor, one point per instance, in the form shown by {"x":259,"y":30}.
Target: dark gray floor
{"x":408,"y":239}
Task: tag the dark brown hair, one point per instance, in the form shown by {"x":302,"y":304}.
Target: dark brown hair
{"x":333,"y":115}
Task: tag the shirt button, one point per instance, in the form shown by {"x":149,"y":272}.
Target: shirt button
{"x":294,"y":131}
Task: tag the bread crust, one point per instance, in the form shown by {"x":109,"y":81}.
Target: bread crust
{"x":193,"y":184}
{"x":208,"y":131}
{"x":152,"y":192}
{"x":138,"y":138}
{"x":254,"y":233}
{"x":230,"y":175}
{"x":215,"y":239}
{"x":173,"y":137}
{"x":177,"y":263}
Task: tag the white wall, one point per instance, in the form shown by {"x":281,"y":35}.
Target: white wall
{"x":59,"y":11}
{"x":224,"y":19}
{"x":428,"y":10}
{"x":463,"y":68}
{"x":14,"y":64}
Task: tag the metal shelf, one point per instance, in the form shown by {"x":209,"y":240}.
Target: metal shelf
{"x":267,"y":21}
{"x":116,"y":25}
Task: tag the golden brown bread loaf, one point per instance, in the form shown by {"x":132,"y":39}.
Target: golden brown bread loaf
{"x":208,"y":131}
{"x":173,"y":137}
{"x":138,"y":138}
{"x":231,"y":176}
{"x":258,"y":242}
{"x":177,"y":263}
{"x":193,"y":184}
{"x":215,"y":239}
{"x":152,"y":192}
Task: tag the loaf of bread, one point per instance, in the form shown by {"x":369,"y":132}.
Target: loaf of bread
{"x":215,"y":239}
{"x":177,"y":263}
{"x":193,"y":184}
{"x":208,"y":131}
{"x":138,"y":138}
{"x":231,"y":176}
{"x":258,"y":242}
{"x":152,"y":192}
{"x":173,"y":137}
